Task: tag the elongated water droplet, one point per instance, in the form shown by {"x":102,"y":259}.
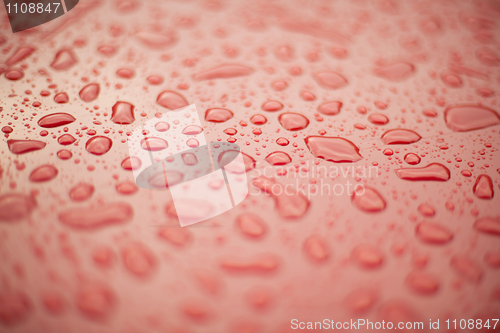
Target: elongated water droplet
{"x":123,"y":113}
{"x":422,"y":283}
{"x":90,"y":92}
{"x":412,"y":159}
{"x":139,"y":259}
{"x":16,"y":206}
{"x":368,"y":200}
{"x":43,"y":173}
{"x":83,"y":218}
{"x":469,"y":118}
{"x":433,"y":171}
{"x":395,"y":72}
{"x":19,"y":147}
{"x":483,"y":187}
{"x":178,"y":237}
{"x":155,"y":40}
{"x":153,"y":144}
{"x":367,"y":256}
{"x":56,"y":120}
{"x":278,"y":158}
{"x":330,"y":108}
{"x":64,"y":59}
{"x":251,"y":225}
{"x":400,"y":136}
{"x":433,"y":233}
{"x":378,"y":119}
{"x":272,"y":106}
{"x":258,"y":264}
{"x":224,"y":72}
{"x":171,"y":100}
{"x":20,"y":54}
{"x":192,"y":130}
{"x":330,"y":80}
{"x":488,"y":225}
{"x":316,"y":248}
{"x":81,"y":192}
{"x":66,"y":139}
{"x":218,"y":115}
{"x":99,"y":145}
{"x":333,"y":149}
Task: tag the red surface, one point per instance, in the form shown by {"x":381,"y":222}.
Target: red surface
{"x":82,"y":249}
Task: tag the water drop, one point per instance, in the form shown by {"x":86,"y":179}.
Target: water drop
{"x":433,"y":233}
{"x":131,"y":163}
{"x":433,"y":171}
{"x":139,"y":259}
{"x":224,"y":72}
{"x":155,"y":40}
{"x":272,"y":106}
{"x":367,"y":256}
{"x":422,"y":283}
{"x":426,"y":210}
{"x":258,"y":119}
{"x":14,"y":74}
{"x":369,"y":201}
{"x":192,"y":130}
{"x":333,"y":149}
{"x":19,"y":147}
{"x":330,"y":80}
{"x":15,"y":308}
{"x":469,"y":118}
{"x":176,"y":236}
{"x":400,"y":136}
{"x":56,"y":120}
{"x":330,"y":108}
{"x":251,"y":225}
{"x":43,"y":173}
{"x":316,"y":249}
{"x":483,"y":187}
{"x":61,"y":98}
{"x":16,"y":206}
{"x":466,"y":268}
{"x":162,"y":126}
{"x":98,"y":145}
{"x":218,"y":115}
{"x":90,"y":92}
{"x":66,"y":139}
{"x":63,"y":60}
{"x":96,"y":301}
{"x":278,"y":158}
{"x":488,"y":225}
{"x":123,"y":113}
{"x":293,"y":121}
{"x":81,"y":192}
{"x":153,"y":144}
{"x":171,"y":100}
{"x":378,"y":119}
{"x":395,"y":72}
{"x":412,"y":159}
{"x":83,"y":218}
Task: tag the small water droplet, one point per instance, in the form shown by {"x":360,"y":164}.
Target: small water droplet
{"x":218,"y":115}
{"x":395,"y":72}
{"x":153,"y":144}
{"x":293,"y":121}
{"x":15,"y":206}
{"x":63,"y":60}
{"x":433,"y":233}
{"x":43,"y":173}
{"x":400,"y":136}
{"x":272,"y":106}
{"x":81,"y":192}
{"x":90,"y":92}
{"x":123,"y":113}
{"x":278,"y":158}
{"x":316,"y":249}
{"x":171,"y":100}
{"x":483,"y":187}
{"x":330,"y":108}
{"x":251,"y":225}
{"x":98,"y":145}
{"x":369,"y":201}
{"x":330,"y":80}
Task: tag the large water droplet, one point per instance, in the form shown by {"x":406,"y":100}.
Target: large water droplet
{"x":395,"y":72}
{"x":176,"y":236}
{"x":83,"y":218}
{"x":333,"y":149}
{"x":293,"y":121}
{"x":330,"y":108}
{"x":171,"y":100}
{"x":330,"y":80}
{"x":123,"y":113}
{"x":63,"y":60}
{"x":433,"y":171}
{"x":96,"y":301}
{"x":192,"y":130}
{"x":400,"y":136}
{"x":15,"y":206}
{"x":19,"y":147}
{"x":224,"y":72}
{"x":488,"y":225}
{"x":139,"y":259}
{"x":131,"y":163}
{"x":433,"y":233}
{"x":43,"y":173}
{"x":368,"y":200}
{"x":81,"y":192}
{"x":90,"y":92}
{"x":278,"y":158}
{"x":251,"y":225}
{"x":61,"y":98}
{"x":153,"y":144}
{"x":469,"y":118}
{"x":55,"y":120}
{"x":483,"y":188}
{"x":218,"y":115}
{"x":99,"y":145}
{"x":66,"y":139}
{"x":378,"y":119}
{"x":272,"y":106}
